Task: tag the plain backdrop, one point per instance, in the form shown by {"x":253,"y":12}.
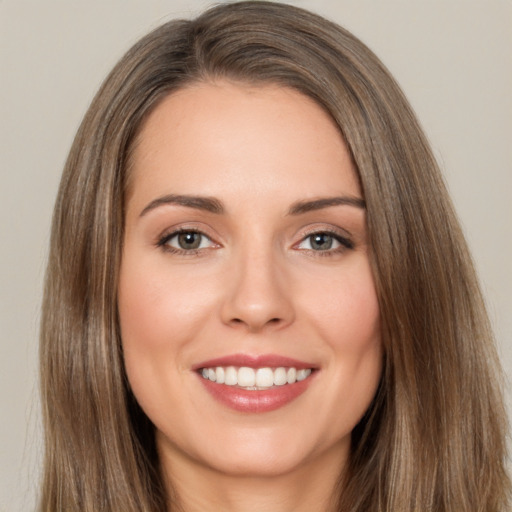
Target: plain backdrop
{"x":452,"y":58}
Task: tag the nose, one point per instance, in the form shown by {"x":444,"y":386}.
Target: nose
{"x":258,"y":294}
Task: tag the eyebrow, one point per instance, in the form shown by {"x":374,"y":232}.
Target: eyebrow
{"x":209,"y":204}
{"x":213,"y":205}
{"x":301,"y":207}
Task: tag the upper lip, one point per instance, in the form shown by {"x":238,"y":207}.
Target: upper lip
{"x":254,"y":361}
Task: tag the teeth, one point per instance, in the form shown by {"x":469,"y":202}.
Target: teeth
{"x":220,"y":374}
{"x":280,"y":376}
{"x":250,"y":378}
{"x":246,"y":377}
{"x":231,"y":376}
{"x":264,"y":377}
{"x":302,"y":374}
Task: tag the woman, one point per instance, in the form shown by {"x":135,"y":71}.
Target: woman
{"x":267,"y":303}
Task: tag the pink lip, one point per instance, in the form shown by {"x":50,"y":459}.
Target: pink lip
{"x":260,"y":361}
{"x":255,"y":401}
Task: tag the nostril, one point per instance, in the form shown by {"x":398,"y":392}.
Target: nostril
{"x":271,"y":321}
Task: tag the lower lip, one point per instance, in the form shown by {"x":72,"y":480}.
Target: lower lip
{"x":256,"y":401}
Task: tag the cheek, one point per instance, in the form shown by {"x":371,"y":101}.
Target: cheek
{"x":347,"y":311}
{"x":348,"y":318}
{"x":160,"y":314}
{"x":157,"y":306}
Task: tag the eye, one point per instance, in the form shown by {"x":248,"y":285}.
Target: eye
{"x":185,"y":241}
{"x":324,"y":242}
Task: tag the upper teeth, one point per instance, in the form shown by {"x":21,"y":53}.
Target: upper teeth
{"x":254,"y":378}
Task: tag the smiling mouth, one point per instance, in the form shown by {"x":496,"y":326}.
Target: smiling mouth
{"x":254,"y":379}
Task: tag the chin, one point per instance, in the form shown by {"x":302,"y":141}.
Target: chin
{"x":266,"y":453}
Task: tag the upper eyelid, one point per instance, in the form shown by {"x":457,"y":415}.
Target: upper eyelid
{"x":319,"y":228}
{"x":165,"y":239}
{"x":186,"y":228}
{"x":341,"y":239}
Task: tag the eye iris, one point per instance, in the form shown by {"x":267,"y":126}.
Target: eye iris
{"x":189,"y":240}
{"x":321,"y":241}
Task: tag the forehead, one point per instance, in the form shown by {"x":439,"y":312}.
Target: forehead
{"x":215,"y":138}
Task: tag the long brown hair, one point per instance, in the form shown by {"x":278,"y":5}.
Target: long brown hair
{"x":434,"y":437}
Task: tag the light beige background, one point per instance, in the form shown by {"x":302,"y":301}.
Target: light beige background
{"x":453,"y":59}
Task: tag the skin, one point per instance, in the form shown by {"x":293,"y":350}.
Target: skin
{"x":255,"y":286}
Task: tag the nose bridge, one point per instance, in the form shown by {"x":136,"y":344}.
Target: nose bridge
{"x":257,"y":295}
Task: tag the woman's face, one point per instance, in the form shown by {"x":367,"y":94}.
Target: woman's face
{"x":249,"y":317}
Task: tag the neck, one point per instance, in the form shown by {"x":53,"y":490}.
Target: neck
{"x":311,"y":488}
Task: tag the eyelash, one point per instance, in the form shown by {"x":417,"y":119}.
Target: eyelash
{"x":164,"y":241}
{"x":345,"y":243}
